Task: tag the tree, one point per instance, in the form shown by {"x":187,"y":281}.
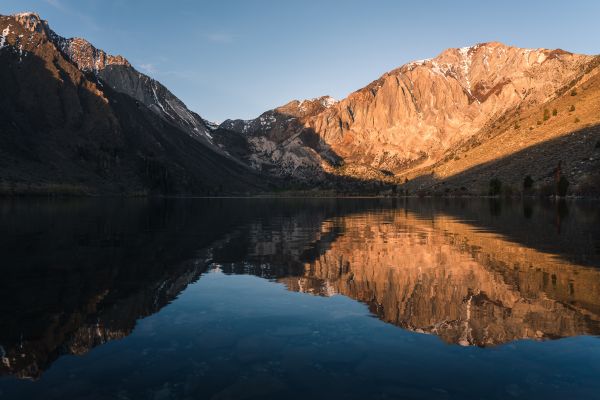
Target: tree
{"x":557,"y":176}
{"x":527,"y":183}
{"x":563,"y":186}
{"x":554,"y":112}
{"x":495,"y":187}
{"x":546,"y":114}
{"x":561,"y":181}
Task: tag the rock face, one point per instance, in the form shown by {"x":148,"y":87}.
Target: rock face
{"x":412,"y":116}
{"x":278,"y":142}
{"x":420,"y":110}
{"x":75,"y":120}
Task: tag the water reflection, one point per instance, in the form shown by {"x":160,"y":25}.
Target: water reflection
{"x":78,"y":274}
{"x":433,"y":273}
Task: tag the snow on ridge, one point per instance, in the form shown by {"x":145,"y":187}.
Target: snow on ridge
{"x":413,"y":64}
{"x":29,"y":20}
{"x":26,"y":14}
{"x":325,"y":101}
{"x":466,"y":65}
{"x":442,"y":69}
{"x":213,"y":126}
{"x":419,"y":62}
{"x":464,"y":51}
{"x":157,"y":102}
{"x":328,"y":101}
{"x":3,"y":37}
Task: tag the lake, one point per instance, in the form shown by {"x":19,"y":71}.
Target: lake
{"x":299,"y":298}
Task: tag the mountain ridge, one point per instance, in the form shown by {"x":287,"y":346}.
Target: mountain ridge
{"x":413,"y":116}
{"x":407,"y":125}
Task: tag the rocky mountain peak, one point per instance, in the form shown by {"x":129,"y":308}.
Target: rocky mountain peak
{"x":31,"y":21}
{"x":114,"y":71}
{"x":79,"y":51}
{"x":489,"y":63}
{"x":89,"y":58}
{"x":305,"y":108}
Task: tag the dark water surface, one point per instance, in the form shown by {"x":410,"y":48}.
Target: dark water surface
{"x":319,"y":299}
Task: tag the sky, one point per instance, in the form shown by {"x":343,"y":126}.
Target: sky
{"x":237,"y":59}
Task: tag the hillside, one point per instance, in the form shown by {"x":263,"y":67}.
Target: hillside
{"x":74,"y":120}
{"x":530,"y":141}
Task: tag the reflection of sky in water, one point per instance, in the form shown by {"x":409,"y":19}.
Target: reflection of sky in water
{"x":239,"y":336}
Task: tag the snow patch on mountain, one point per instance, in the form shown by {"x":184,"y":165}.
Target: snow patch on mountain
{"x":465,"y":53}
{"x":413,"y":64}
{"x":3,"y":37}
{"x":156,"y":100}
{"x":213,"y":126}
{"x":328,"y":101}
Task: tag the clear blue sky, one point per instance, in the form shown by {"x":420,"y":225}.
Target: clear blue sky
{"x":236,"y":59}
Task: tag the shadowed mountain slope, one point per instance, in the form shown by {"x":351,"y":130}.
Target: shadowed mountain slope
{"x":74,"y":120}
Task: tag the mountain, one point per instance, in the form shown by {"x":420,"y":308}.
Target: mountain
{"x":76,"y":120}
{"x":412,"y":121}
{"x":278,"y":143}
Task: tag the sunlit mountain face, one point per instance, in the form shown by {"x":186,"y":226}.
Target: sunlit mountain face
{"x":77,"y":275}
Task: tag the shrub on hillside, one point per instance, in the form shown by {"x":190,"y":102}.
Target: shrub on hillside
{"x":572,"y":108}
{"x":546,"y":114}
{"x":573,"y":92}
{"x":554,"y":112}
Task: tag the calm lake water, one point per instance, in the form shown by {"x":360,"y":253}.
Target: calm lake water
{"x":320,"y":299}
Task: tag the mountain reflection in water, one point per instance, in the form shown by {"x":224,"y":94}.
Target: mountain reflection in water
{"x":76,"y":274}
